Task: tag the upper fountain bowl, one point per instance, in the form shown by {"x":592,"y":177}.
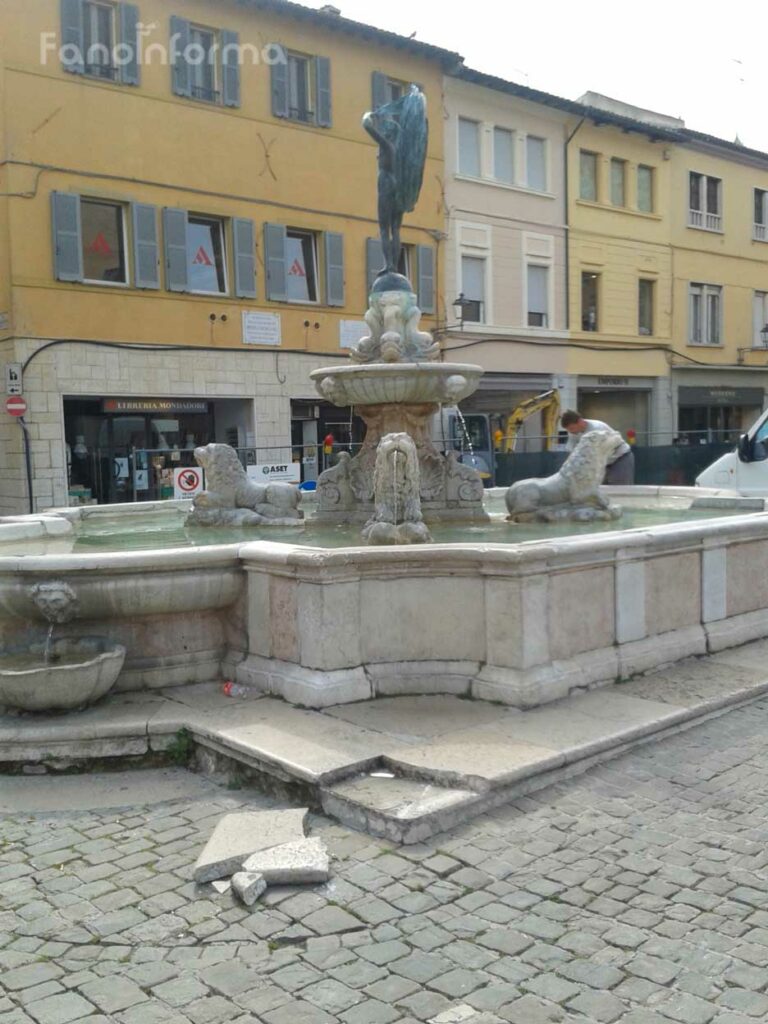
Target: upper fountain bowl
{"x":403,"y":383}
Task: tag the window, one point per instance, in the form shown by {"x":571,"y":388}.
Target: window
{"x":589,"y":297}
{"x":645,"y":189}
{"x":618,"y":182}
{"x":300,"y":100}
{"x":645,"y":291}
{"x":393,"y":90}
{"x":300,"y":266}
{"x":203,"y":50}
{"x":705,"y":314}
{"x":301,"y":88}
{"x":103,"y":242}
{"x":536,"y":163}
{"x":205,"y":63}
{"x":469,"y":147}
{"x":538,"y":295}
{"x":760,"y":224}
{"x":759,"y":317}
{"x":473,"y":288}
{"x":99,"y":39}
{"x":588,"y":175}
{"x":206,"y":270}
{"x":705,"y":202}
{"x":503,"y":155}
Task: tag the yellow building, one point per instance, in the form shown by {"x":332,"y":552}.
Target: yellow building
{"x":187,"y":184}
{"x":719,"y":217}
{"x":620,"y":269}
{"x":668,"y":275}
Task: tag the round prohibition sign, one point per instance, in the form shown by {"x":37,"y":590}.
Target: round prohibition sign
{"x":16,"y":405}
{"x":189,"y":480}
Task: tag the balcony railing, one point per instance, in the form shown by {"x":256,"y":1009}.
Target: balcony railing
{"x":202,"y":92}
{"x":760,"y":232}
{"x":707,"y":221}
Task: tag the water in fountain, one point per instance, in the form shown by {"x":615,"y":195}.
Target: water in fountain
{"x":48,"y":655}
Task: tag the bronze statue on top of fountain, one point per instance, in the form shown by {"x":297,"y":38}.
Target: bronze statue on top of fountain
{"x":400,"y":129}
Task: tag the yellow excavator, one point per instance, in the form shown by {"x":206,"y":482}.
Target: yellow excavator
{"x":548,"y":403}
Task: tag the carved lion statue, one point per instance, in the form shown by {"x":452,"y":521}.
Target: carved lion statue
{"x":573,"y":492}
{"x":397,"y":517}
{"x":233,"y":499}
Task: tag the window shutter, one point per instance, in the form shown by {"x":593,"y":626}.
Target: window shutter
{"x":378,"y":89}
{"x":67,"y":237}
{"x":72,"y":36}
{"x":230,"y":68}
{"x":274,"y":249}
{"x":181,"y":81}
{"x":130,"y":73}
{"x":374,"y":260}
{"x":279,"y":76}
{"x":426,"y":285}
{"x":244,"y":237}
{"x":175,"y":231}
{"x":146,"y":251}
{"x":323,"y":91}
{"x":334,"y":268}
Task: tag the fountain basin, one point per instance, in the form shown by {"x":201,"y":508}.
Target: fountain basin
{"x":397,"y":383}
{"x":81,"y":670}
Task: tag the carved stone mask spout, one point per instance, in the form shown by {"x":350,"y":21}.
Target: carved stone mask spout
{"x":56,"y":601}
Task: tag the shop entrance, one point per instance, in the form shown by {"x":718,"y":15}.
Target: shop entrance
{"x":103,"y":434}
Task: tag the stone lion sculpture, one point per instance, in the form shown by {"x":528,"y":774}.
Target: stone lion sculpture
{"x":573,"y":492}
{"x":397,"y":517}
{"x":233,"y":499}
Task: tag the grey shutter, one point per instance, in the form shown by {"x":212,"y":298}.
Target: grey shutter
{"x":230,"y":68}
{"x":274,"y":255}
{"x":279,"y":82}
{"x":426,"y":286}
{"x":72,"y":36}
{"x":181,"y":80}
{"x":175,"y":232}
{"x":323,"y":91}
{"x":67,"y":237}
{"x":146,"y":250}
{"x":378,"y":89}
{"x":374,"y":260}
{"x":129,"y":36}
{"x":244,"y":241}
{"x":334,"y":268}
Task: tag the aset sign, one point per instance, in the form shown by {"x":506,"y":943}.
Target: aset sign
{"x":267,"y":472}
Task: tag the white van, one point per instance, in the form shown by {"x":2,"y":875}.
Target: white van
{"x":745,"y":469}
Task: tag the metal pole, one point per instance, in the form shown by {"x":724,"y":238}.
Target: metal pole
{"x":28,"y":461}
{"x":132,"y":468}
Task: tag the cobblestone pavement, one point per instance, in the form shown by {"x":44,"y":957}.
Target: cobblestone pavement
{"x":637,"y":892}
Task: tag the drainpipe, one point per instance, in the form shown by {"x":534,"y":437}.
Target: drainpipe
{"x":28,"y":461}
{"x":568,"y":228}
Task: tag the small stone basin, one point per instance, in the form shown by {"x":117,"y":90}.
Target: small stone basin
{"x":406,"y":383}
{"x":80,"y":671}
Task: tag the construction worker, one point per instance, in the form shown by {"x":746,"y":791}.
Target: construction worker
{"x":621,"y":464}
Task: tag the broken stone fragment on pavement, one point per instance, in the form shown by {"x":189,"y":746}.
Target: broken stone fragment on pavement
{"x":294,"y":863}
{"x":248,"y":885}
{"x":237,"y":836}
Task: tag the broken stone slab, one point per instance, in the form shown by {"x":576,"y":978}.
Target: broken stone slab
{"x":222,"y":885}
{"x":237,"y":836}
{"x":248,"y":885}
{"x":300,"y":862}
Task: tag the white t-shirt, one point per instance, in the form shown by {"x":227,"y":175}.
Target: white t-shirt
{"x":621,"y":448}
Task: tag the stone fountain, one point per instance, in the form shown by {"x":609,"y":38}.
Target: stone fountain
{"x":396,"y":381}
{"x":58,"y":674}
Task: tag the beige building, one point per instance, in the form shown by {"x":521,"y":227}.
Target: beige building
{"x":505,"y":252}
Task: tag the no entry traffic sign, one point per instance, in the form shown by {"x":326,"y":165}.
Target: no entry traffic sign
{"x":16,"y":405}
